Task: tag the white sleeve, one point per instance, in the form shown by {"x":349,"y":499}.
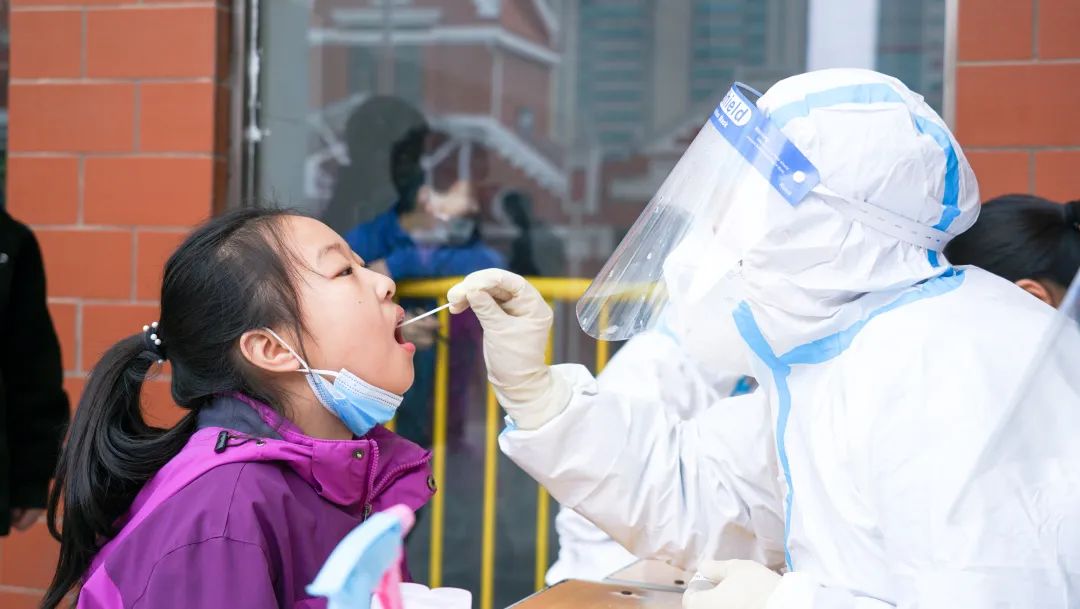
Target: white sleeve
{"x":680,"y":491}
{"x":652,"y":366}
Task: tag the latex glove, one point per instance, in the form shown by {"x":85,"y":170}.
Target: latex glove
{"x":740,"y":584}
{"x":516,"y":323}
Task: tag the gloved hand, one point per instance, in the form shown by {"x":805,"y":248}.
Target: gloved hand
{"x":740,"y":584}
{"x":516,"y":323}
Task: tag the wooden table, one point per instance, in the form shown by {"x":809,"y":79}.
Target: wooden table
{"x":577,"y":594}
{"x":651,"y":574}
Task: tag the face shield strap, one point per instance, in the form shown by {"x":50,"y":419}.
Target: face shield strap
{"x":885,"y":221}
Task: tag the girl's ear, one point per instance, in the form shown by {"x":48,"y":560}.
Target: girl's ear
{"x":1038,"y":290}
{"x":265,"y":352}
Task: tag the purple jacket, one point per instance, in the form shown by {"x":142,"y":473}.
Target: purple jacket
{"x":248,"y":512}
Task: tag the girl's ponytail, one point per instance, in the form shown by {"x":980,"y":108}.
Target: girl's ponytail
{"x":110,"y":453}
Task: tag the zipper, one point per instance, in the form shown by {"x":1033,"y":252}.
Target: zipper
{"x":395,"y":473}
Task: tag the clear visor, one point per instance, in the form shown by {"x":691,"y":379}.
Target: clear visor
{"x":737,"y":175}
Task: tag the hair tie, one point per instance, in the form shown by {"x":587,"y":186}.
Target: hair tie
{"x":152,"y":341}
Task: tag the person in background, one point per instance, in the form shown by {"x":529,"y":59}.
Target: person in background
{"x":33,"y":405}
{"x":1031,"y":241}
{"x":425,"y":233}
{"x":364,"y":188}
{"x":537,"y":250}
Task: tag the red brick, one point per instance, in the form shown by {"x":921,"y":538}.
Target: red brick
{"x":151,"y":42}
{"x":37,"y":552}
{"x":153,"y":250}
{"x":73,"y":386}
{"x":72,"y":118}
{"x":995,"y":105}
{"x":1000,"y":173}
{"x":1057,"y":174}
{"x":46,"y":44}
{"x":104,"y":326}
{"x":176,"y":117}
{"x":1059,"y":23}
{"x":148,"y":190}
{"x":994,"y":29}
{"x":89,"y":264}
{"x":15,"y":599}
{"x":43,"y":190}
{"x":158,"y":407}
{"x":63,"y":318}
{"x":28,"y":3}
{"x":446,"y":68}
{"x":522,"y":19}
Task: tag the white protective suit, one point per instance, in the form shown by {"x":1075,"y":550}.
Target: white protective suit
{"x":884,"y":372}
{"x":651,"y":367}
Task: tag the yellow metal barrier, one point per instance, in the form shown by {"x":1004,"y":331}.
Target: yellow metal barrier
{"x":552,"y":289}
{"x":438,"y":448}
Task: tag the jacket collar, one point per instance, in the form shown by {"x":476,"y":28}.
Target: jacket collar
{"x":349,"y":473}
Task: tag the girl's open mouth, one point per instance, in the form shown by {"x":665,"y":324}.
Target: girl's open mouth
{"x":399,"y":337}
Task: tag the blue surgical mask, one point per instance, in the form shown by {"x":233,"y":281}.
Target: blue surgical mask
{"x":359,"y":404}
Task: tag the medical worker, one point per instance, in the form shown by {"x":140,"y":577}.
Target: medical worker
{"x":799,"y":240}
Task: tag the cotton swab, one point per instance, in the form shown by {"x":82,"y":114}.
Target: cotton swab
{"x":428,"y":314}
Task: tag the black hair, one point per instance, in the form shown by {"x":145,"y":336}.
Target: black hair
{"x":231,"y":275}
{"x":518,"y":208}
{"x":1022,"y":236}
{"x":386,"y":138}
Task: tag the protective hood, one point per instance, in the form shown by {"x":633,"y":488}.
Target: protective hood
{"x":877,"y":146}
{"x":889,"y":188}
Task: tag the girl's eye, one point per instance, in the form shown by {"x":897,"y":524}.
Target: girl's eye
{"x":345,"y":272}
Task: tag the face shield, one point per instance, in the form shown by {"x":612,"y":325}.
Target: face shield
{"x":737,"y":177}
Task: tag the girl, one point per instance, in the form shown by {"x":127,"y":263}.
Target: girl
{"x":1031,"y":241}
{"x":240,"y":503}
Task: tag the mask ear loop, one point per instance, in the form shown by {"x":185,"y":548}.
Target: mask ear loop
{"x":306,"y":368}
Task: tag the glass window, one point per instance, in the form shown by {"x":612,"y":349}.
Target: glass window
{"x":547,"y":125}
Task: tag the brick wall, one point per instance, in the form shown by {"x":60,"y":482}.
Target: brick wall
{"x":119,"y":124}
{"x":118,"y":119}
{"x":1018,"y":95}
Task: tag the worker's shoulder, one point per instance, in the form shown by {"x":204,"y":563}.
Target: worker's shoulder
{"x":978,"y":310}
{"x":965,"y":344}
